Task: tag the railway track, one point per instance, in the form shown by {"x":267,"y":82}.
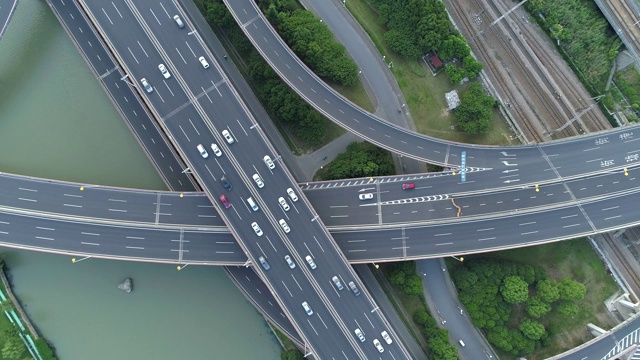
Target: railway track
{"x":500,"y":79}
{"x":571,"y":94}
{"x":550,"y":94}
{"x":627,"y":271}
{"x":625,"y":15}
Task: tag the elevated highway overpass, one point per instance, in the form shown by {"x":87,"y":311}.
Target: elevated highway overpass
{"x":609,"y":170}
{"x":185,"y":108}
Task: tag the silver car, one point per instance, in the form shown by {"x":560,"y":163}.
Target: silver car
{"x":338,"y":284}
{"x":178,"y":21}
{"x":202,"y":151}
{"x":146,"y":85}
{"x":290,"y":262}
{"x":310,"y":261}
{"x":378,"y":346}
{"x":227,"y":136}
{"x":216,"y":150}
{"x":164,"y":71}
{"x":307,"y":308}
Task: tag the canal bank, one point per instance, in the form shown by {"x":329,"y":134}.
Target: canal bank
{"x":57,"y":122}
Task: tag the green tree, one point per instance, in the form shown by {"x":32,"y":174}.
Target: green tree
{"x":421,"y":317}
{"x":454,"y":47}
{"x":475,"y":110}
{"x":547,"y":290}
{"x":361,"y":159}
{"x":455,"y":74}
{"x":413,"y":285}
{"x":571,"y":289}
{"x":514,"y":290}
{"x":536,"y":307}
{"x":471,"y":66}
{"x":397,"y":277}
{"x":532,"y":329}
{"x":499,"y":337}
{"x":568,"y":309}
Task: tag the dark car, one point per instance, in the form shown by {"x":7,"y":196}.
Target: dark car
{"x":408,"y":186}
{"x":225,"y":202}
{"x":226,"y":183}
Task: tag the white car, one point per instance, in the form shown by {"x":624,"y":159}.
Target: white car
{"x":178,"y":21}
{"x":378,"y":346}
{"x":202,"y":151}
{"x":307,"y":308}
{"x":292,"y":194}
{"x":338,"y":284}
{"x":146,"y":85}
{"x":290,"y":262}
{"x":269,"y":162}
{"x":256,"y":228}
{"x":216,"y":150}
{"x":284,"y":226}
{"x":360,"y":335}
{"x":204,"y":62}
{"x":283,"y":203}
{"x":310,"y":261}
{"x":367,"y":196}
{"x":258,"y":180}
{"x":164,"y":71}
{"x":386,"y":337}
{"x":227,"y":136}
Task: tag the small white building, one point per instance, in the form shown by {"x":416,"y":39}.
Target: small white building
{"x":453,"y":101}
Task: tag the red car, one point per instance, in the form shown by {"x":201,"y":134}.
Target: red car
{"x":225,"y":202}
{"x":408,"y":186}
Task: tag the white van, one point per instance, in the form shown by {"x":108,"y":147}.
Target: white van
{"x":253,"y":204}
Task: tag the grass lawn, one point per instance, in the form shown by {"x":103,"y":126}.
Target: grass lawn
{"x":578,"y":260}
{"x":423,"y":92}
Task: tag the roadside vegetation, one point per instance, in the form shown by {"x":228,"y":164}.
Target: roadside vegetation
{"x":361,"y":159}
{"x":584,"y":34}
{"x":304,"y":128}
{"x":589,"y":44}
{"x":423,"y":92}
{"x":11,"y":345}
{"x":535,"y":301}
{"x":289,"y":351}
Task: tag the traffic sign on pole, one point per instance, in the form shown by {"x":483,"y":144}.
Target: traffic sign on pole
{"x":463,"y":167}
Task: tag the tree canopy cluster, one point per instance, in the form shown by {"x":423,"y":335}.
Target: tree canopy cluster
{"x":490,"y":289}
{"x":361,"y":159}
{"x":584,"y":34}
{"x":416,"y":27}
{"x":311,"y":40}
{"x":475,"y":110}
{"x":403,"y":275}
{"x":281,"y":102}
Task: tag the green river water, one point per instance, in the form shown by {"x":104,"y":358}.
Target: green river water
{"x":57,"y":122}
